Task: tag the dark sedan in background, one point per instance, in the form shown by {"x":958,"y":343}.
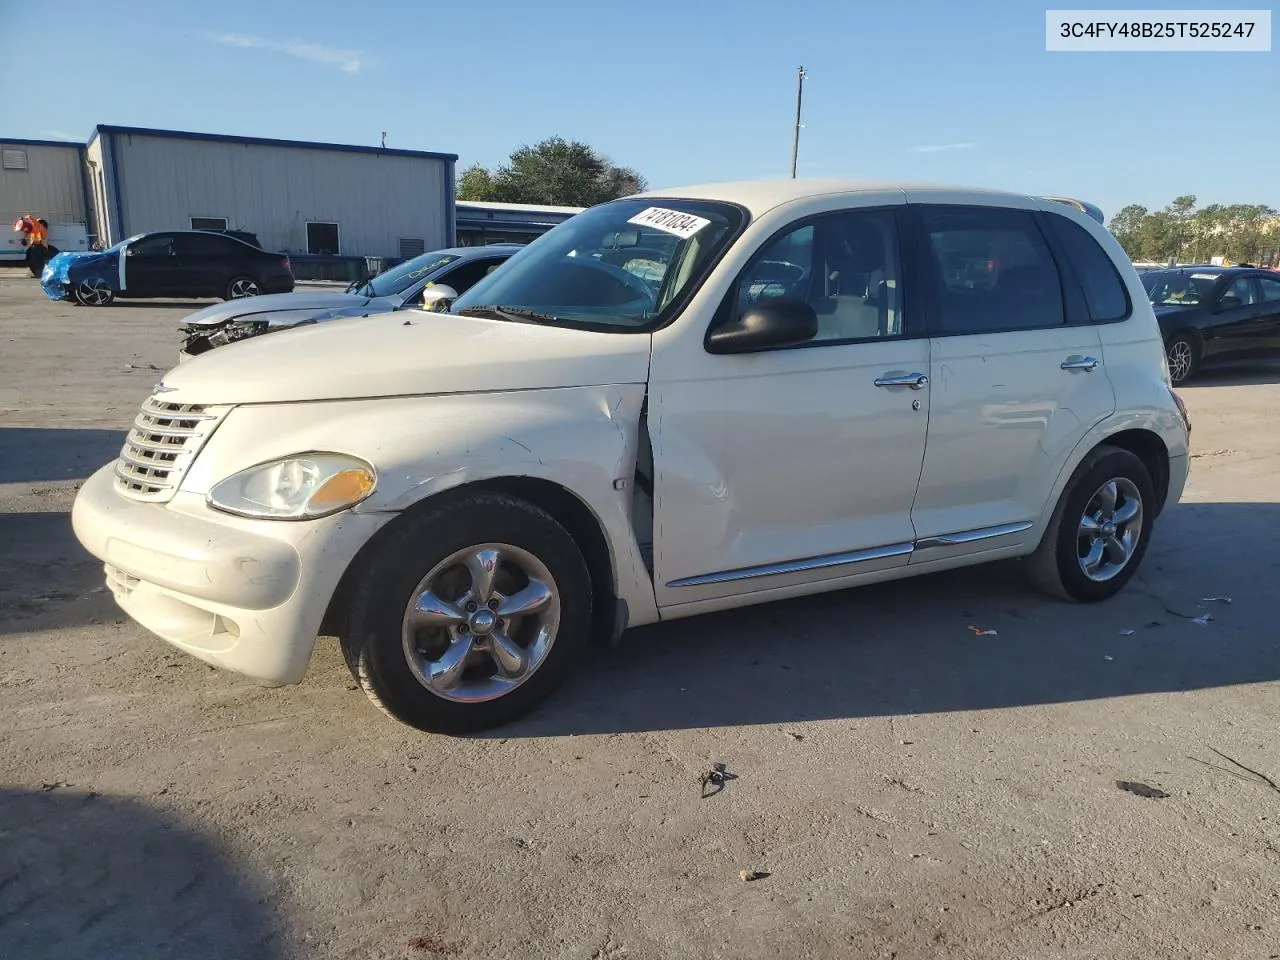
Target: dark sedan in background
{"x":177,"y":263}
{"x":1208,"y":314}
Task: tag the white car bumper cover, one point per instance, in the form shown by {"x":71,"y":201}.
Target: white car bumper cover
{"x":244,"y":595}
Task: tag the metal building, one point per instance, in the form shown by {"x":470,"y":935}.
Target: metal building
{"x":299,"y":197}
{"x":41,"y":177}
{"x":483,"y":223}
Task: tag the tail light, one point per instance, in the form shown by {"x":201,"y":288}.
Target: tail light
{"x":286,"y":264}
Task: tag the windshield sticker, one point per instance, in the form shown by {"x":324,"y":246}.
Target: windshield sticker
{"x":1204,"y":276}
{"x":682,"y":225}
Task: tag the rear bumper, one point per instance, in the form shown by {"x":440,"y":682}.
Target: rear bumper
{"x":248,"y":596}
{"x":1179,"y":469}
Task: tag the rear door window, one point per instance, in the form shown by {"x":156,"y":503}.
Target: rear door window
{"x":993,"y":271}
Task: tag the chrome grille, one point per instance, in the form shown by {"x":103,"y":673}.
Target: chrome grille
{"x":165,"y":438}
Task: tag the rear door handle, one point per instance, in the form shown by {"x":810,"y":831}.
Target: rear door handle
{"x":1080,"y":363}
{"x":916,"y":381}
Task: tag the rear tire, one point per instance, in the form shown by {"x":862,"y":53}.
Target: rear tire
{"x":241,"y":287}
{"x":418,"y":607}
{"x":1099,"y":531}
{"x":1183,"y":356}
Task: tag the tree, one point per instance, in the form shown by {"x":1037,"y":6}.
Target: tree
{"x":475,"y":184}
{"x":1126,"y":224}
{"x":554,"y":172}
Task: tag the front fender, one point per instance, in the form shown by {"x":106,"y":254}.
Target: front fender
{"x":582,"y":439}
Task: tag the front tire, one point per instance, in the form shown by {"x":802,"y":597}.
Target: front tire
{"x":1100,"y":530}
{"x":240,"y":287}
{"x":1183,"y":355}
{"x":468,"y":615}
{"x":93,"y":293}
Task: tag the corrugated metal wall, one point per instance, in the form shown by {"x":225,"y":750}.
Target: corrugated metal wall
{"x":376,"y":199}
{"x":50,"y":187}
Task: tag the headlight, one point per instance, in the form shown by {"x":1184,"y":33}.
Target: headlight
{"x":302,"y":487}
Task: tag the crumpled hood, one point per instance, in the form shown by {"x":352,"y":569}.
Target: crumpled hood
{"x":321,"y":301}
{"x":89,"y":264}
{"x":406,"y":353}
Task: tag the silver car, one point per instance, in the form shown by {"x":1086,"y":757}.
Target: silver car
{"x":395,"y":289}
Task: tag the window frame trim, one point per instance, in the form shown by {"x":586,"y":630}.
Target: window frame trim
{"x":724,"y":313}
{"x":931,"y":279}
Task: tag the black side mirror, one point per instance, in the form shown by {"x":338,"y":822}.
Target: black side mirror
{"x":772,"y":323}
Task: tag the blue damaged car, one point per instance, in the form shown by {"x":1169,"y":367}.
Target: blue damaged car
{"x":175,"y":263}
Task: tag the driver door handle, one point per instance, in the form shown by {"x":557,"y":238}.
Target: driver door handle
{"x":916,"y":381}
{"x":1080,"y":363}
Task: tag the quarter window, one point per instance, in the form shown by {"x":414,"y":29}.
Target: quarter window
{"x":843,"y":265}
{"x":994,"y":271}
{"x":1270,"y":289}
{"x":1103,"y":290}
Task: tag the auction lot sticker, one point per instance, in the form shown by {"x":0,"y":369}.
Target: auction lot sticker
{"x":683,"y":225}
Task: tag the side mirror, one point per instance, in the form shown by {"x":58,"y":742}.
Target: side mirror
{"x":772,"y":323}
{"x":438,"y":298}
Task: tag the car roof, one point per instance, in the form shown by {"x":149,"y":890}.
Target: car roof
{"x":759,"y":196}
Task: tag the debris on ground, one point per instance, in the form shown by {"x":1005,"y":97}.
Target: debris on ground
{"x":795,"y":736}
{"x":1254,"y":776}
{"x":1215,"y":599}
{"x":749,"y":875}
{"x":1142,"y":789}
{"x":716,"y":777}
{"x":979,"y":632}
{"x":1126,"y":633}
{"x":1201,"y":620}
{"x":1107,"y":656}
{"x":54,"y":785}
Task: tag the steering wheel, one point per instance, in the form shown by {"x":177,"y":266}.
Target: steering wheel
{"x":637,"y":285}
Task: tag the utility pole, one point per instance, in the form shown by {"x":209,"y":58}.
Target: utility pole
{"x":801,"y":76}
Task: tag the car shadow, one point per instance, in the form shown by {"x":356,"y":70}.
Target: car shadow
{"x":83,"y":875}
{"x":1232,"y":373}
{"x":43,"y":455}
{"x":910,"y":646}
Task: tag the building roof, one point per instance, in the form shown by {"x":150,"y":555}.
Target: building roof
{"x":761,"y":195}
{"x":20,"y":142}
{"x":267,"y":142}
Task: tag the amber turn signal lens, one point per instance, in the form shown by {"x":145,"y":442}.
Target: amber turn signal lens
{"x":344,"y":489}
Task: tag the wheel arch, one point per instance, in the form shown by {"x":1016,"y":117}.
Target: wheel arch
{"x":1141,"y":439}
{"x":568,"y":509}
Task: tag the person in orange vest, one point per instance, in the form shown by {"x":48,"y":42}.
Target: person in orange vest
{"x":35,"y":237}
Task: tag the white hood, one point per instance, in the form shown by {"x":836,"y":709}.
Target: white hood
{"x":220,"y":313}
{"x":406,"y":354}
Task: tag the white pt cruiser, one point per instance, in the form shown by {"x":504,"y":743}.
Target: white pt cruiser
{"x":670,"y":404}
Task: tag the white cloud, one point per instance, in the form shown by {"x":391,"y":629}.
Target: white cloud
{"x":940,"y":147}
{"x":348,"y":61}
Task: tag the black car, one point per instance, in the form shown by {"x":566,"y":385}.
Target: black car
{"x":178,"y":263}
{"x":1214,"y":313}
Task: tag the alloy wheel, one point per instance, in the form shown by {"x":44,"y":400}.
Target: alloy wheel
{"x":1110,"y":529}
{"x":93,"y":293}
{"x":243,"y":287}
{"x":481,"y":622}
{"x":1181,"y":358}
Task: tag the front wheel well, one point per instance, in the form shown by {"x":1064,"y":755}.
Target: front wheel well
{"x":1151,"y":450}
{"x":574,"y":515}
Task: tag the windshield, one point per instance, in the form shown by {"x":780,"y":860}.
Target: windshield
{"x":400,"y":278}
{"x":617,"y":265}
{"x":1173,"y":288}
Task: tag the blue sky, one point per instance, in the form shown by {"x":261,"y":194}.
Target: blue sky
{"x":684,"y":91}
